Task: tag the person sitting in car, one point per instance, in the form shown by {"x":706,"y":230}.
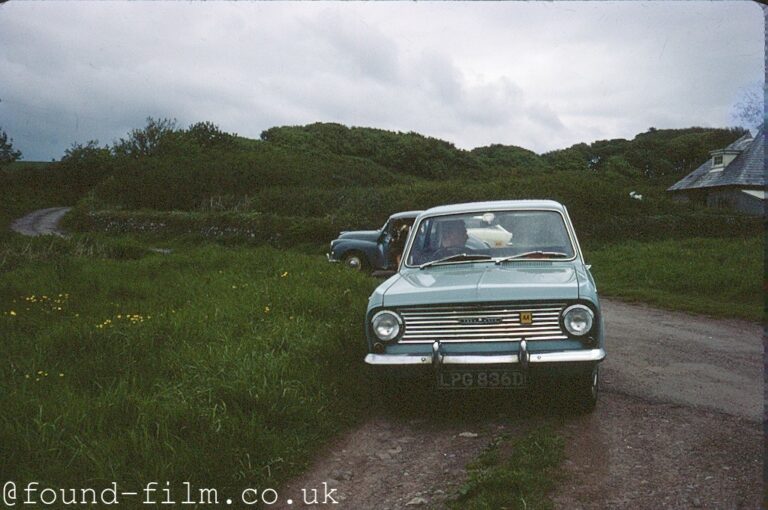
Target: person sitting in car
{"x":453,"y":239}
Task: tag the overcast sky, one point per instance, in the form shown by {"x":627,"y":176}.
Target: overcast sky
{"x":538,"y":75}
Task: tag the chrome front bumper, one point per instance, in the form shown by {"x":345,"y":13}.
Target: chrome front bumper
{"x":328,"y":256}
{"x":523,"y":357}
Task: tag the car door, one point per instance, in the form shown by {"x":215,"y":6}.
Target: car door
{"x":383,"y":246}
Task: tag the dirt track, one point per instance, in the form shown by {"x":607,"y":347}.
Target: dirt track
{"x":40,"y":222}
{"x":678,"y":426}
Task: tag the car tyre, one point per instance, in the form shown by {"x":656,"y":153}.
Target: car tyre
{"x":586,"y":386}
{"x":355,"y":261}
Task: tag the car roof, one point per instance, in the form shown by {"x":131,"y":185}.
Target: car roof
{"x":405,"y":214}
{"x":497,"y":205}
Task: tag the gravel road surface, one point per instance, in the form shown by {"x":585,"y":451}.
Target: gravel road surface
{"x":40,"y":222}
{"x":678,"y":425}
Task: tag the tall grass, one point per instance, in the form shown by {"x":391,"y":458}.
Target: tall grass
{"x":721,"y":277}
{"x":222,"y":367}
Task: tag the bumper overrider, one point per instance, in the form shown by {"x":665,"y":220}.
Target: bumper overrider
{"x":520,"y":358}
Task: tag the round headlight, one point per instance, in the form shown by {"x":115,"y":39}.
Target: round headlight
{"x":386,"y":325}
{"x":578,"y":319}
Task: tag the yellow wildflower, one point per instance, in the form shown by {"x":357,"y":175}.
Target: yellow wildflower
{"x":13,"y":313}
{"x":284,"y":274}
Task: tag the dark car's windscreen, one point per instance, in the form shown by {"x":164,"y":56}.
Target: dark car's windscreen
{"x":498,"y":234}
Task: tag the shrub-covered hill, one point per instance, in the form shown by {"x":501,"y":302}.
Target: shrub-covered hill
{"x":658,"y":154}
{"x":327,"y":169}
{"x":408,"y":153}
{"x":334,"y":169}
{"x":187,"y":181}
{"x":662,"y":155}
{"x":503,"y":158}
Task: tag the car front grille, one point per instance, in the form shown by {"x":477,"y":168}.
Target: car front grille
{"x":481,"y":323}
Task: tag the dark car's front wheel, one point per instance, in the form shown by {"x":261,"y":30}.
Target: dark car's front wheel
{"x":355,"y":261}
{"x":586,"y":389}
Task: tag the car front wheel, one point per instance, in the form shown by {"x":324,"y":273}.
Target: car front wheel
{"x":355,"y":261}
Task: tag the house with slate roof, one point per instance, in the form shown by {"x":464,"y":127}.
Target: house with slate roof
{"x":733,"y":177}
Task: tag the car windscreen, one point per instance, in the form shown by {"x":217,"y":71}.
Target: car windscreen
{"x":498,"y":234}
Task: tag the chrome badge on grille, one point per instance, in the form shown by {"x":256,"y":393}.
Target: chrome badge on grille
{"x":526,"y":318}
{"x":481,"y":320}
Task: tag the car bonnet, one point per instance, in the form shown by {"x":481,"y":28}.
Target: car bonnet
{"x":484,"y":282}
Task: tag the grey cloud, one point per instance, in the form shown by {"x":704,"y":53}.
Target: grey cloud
{"x":540,"y":75}
{"x":360,"y":49}
{"x":493,"y":103}
{"x":435,"y":74}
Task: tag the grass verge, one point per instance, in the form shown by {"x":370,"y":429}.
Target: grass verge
{"x":718,"y":277}
{"x":224,"y":367}
{"x":514,"y":474}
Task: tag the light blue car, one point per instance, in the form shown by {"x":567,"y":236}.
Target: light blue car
{"x":490,"y":295}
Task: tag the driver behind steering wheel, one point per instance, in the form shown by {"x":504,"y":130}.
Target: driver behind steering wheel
{"x":453,"y":239}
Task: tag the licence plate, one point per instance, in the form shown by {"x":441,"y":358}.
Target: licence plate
{"x":476,"y":379}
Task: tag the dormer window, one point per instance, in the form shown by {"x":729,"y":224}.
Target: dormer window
{"x":722,"y":158}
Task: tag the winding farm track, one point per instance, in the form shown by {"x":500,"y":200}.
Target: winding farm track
{"x":40,"y":222}
{"x":678,"y":425}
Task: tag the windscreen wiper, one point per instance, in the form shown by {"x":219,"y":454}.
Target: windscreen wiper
{"x":529,"y":253}
{"x":455,"y":258}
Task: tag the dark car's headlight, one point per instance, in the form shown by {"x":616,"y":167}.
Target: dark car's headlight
{"x":578,"y":319}
{"x":386,"y":325}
